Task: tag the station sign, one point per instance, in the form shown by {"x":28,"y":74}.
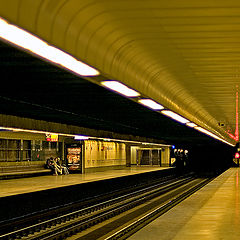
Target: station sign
{"x":52,"y":137}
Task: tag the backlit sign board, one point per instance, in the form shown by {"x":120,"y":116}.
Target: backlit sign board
{"x":52,"y":137}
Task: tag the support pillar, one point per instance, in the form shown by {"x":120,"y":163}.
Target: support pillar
{"x":128,"y":155}
{"x":83,"y":156}
{"x":63,"y":152}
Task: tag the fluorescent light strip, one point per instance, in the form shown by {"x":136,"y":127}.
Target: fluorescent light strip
{"x":72,"y":135}
{"x":120,"y":88}
{"x":212,"y":135}
{"x":80,"y":137}
{"x":191,"y":124}
{"x":28,"y":41}
{"x":36,"y":131}
{"x":207,"y":132}
{"x":174,"y":116}
{"x":129,"y":141}
{"x":151,"y":104}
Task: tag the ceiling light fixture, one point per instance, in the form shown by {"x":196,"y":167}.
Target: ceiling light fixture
{"x":80,"y":137}
{"x":174,"y":116}
{"x":120,"y":88}
{"x":207,"y":132}
{"x":191,"y":124}
{"x":212,"y":135}
{"x":28,"y":41}
{"x":151,"y":104}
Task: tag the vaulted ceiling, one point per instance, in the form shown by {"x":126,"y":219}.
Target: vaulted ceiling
{"x":183,"y":54}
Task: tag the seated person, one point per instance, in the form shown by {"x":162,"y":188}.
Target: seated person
{"x":49,"y":164}
{"x":57,"y":168}
{"x":62,"y":168}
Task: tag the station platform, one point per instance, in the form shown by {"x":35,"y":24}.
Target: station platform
{"x":27,"y":185}
{"x":212,"y":213}
{"x":23,"y":196}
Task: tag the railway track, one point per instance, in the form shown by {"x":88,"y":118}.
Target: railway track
{"x":149,"y":203}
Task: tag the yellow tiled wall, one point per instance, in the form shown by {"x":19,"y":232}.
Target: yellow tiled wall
{"x":99,"y":154}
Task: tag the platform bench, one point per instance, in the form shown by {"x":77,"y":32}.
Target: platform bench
{"x":11,"y":172}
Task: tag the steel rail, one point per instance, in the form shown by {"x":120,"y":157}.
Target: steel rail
{"x":79,"y":220}
{"x":149,"y":217}
{"x":36,"y":217}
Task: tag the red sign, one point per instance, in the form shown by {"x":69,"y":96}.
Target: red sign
{"x":237,"y":155}
{"x":52,"y":137}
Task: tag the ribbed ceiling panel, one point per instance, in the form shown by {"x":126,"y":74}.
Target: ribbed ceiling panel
{"x":183,"y":54}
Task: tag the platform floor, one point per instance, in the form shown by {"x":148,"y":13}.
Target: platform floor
{"x":212,"y":213}
{"x":26,"y":185}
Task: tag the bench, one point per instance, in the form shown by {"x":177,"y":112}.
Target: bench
{"x":12,"y":172}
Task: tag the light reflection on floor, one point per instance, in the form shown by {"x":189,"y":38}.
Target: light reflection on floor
{"x":210,"y":214}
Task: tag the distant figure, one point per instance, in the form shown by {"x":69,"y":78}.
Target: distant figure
{"x":179,"y":162}
{"x":186,"y":161}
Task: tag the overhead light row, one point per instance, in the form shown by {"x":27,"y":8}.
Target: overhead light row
{"x":128,"y":92}
{"x":175,"y":116}
{"x":35,"y":45}
{"x":82,"y":137}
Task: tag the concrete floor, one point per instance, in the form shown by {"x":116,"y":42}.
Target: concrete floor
{"x":25,"y":185}
{"x":212,"y":213}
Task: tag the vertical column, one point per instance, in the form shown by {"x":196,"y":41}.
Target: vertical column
{"x":150,"y":157}
{"x":138,"y":157}
{"x":32,"y":149}
{"x":128,"y":154}
{"x":165,"y":157}
{"x":160,"y":157}
{"x":21,"y":150}
{"x":134,"y":155}
{"x":83,"y":156}
{"x":63,"y":152}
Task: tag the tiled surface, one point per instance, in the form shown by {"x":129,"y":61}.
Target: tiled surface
{"x":24,"y":185}
{"x":213,"y":213}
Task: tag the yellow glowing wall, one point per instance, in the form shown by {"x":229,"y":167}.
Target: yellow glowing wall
{"x":165,"y":157}
{"x":134,"y":155}
{"x":103,"y":154}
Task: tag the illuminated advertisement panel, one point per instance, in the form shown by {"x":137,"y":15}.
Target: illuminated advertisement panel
{"x":74,"y":157}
